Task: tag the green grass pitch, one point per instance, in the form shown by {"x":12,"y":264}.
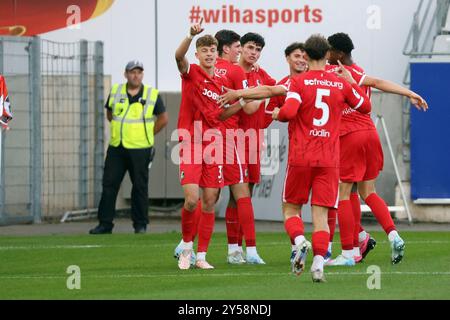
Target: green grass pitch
{"x":143,"y":267}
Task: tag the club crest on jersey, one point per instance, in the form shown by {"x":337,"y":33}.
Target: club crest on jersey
{"x":182,"y":176}
{"x":221,"y":72}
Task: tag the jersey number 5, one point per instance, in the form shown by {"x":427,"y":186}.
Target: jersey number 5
{"x":320,"y":104}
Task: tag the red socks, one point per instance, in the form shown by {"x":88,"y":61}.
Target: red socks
{"x":205,"y":230}
{"x":346,"y":224}
{"x":187,"y":221}
{"x":232,"y":221}
{"x":197,"y":216}
{"x":320,"y":242}
{"x":381,"y":212}
{"x":356,"y":208}
{"x":247,"y":220}
{"x":332,"y":216}
{"x":241,"y":236}
{"x":294,"y":228}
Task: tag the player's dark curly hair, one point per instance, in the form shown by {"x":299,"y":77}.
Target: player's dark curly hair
{"x":342,"y":42}
{"x":226,"y":38}
{"x":294,"y":46}
{"x":317,"y":47}
{"x":253,"y":37}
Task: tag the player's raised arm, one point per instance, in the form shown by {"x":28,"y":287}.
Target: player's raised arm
{"x":180,"y":54}
{"x":391,"y":87}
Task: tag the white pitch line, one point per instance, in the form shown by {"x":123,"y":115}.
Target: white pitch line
{"x":206,"y":275}
{"x":32,"y":247}
{"x":268,"y":244}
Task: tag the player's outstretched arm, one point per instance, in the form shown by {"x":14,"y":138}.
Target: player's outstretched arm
{"x":391,"y":87}
{"x":230,"y":111}
{"x":180,"y":54}
{"x":290,"y":108}
{"x":258,"y":93}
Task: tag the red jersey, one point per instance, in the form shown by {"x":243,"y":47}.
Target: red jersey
{"x":256,"y":120}
{"x":237,"y":81}
{"x":199,"y":96}
{"x":352,"y":120}
{"x":275,"y":102}
{"x":5,"y":108}
{"x":314,"y":106}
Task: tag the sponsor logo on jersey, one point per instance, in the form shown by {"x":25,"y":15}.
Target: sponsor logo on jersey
{"x":210,"y":94}
{"x":221,"y":72}
{"x":320,"y":133}
{"x":325,"y":83}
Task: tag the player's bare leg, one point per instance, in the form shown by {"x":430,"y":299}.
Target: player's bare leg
{"x":241,"y":193}
{"x":191,"y":195}
{"x":320,"y":239}
{"x":295,"y":230}
{"x":381,"y":212}
{"x":206,"y":226}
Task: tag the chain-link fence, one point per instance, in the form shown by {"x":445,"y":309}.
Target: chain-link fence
{"x":54,"y":152}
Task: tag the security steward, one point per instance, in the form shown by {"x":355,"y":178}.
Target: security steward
{"x":137,"y":113}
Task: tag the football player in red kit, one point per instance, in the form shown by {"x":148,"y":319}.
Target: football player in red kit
{"x":361,"y":162}
{"x":314,"y":105}
{"x":251,"y":121}
{"x":239,"y":212}
{"x":199,"y":117}
{"x":295,"y":57}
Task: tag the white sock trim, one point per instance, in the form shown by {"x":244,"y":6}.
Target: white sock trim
{"x":232,"y":248}
{"x":392,"y":235}
{"x":251,"y":251}
{"x":299,"y":240}
{"x":347,"y":254}
{"x":187,"y":245}
{"x":362,"y":236}
{"x":201,"y":256}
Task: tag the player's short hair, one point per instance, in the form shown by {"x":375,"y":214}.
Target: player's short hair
{"x":206,"y":41}
{"x":253,"y":37}
{"x":317,"y":47}
{"x":226,"y":38}
{"x":342,"y":42}
{"x":294,"y":46}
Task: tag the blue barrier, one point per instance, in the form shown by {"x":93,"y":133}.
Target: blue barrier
{"x":430,"y":133}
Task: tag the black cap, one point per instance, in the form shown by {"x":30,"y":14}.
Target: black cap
{"x":135,"y":64}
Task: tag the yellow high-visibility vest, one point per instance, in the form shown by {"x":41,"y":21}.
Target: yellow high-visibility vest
{"x":132,"y":125}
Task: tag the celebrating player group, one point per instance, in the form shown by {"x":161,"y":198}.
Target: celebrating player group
{"x":335,"y":154}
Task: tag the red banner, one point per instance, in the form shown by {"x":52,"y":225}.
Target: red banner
{"x":31,"y":17}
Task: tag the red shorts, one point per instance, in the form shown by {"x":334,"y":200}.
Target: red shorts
{"x":235,"y":169}
{"x":322,"y":182}
{"x":361,"y":156}
{"x":196,"y":171}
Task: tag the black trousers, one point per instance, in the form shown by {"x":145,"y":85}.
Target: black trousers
{"x":118,"y":161}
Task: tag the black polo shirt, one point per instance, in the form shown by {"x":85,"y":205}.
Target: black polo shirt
{"x":159,"y":106}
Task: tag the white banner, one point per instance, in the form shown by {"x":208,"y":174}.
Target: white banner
{"x":378,"y":29}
